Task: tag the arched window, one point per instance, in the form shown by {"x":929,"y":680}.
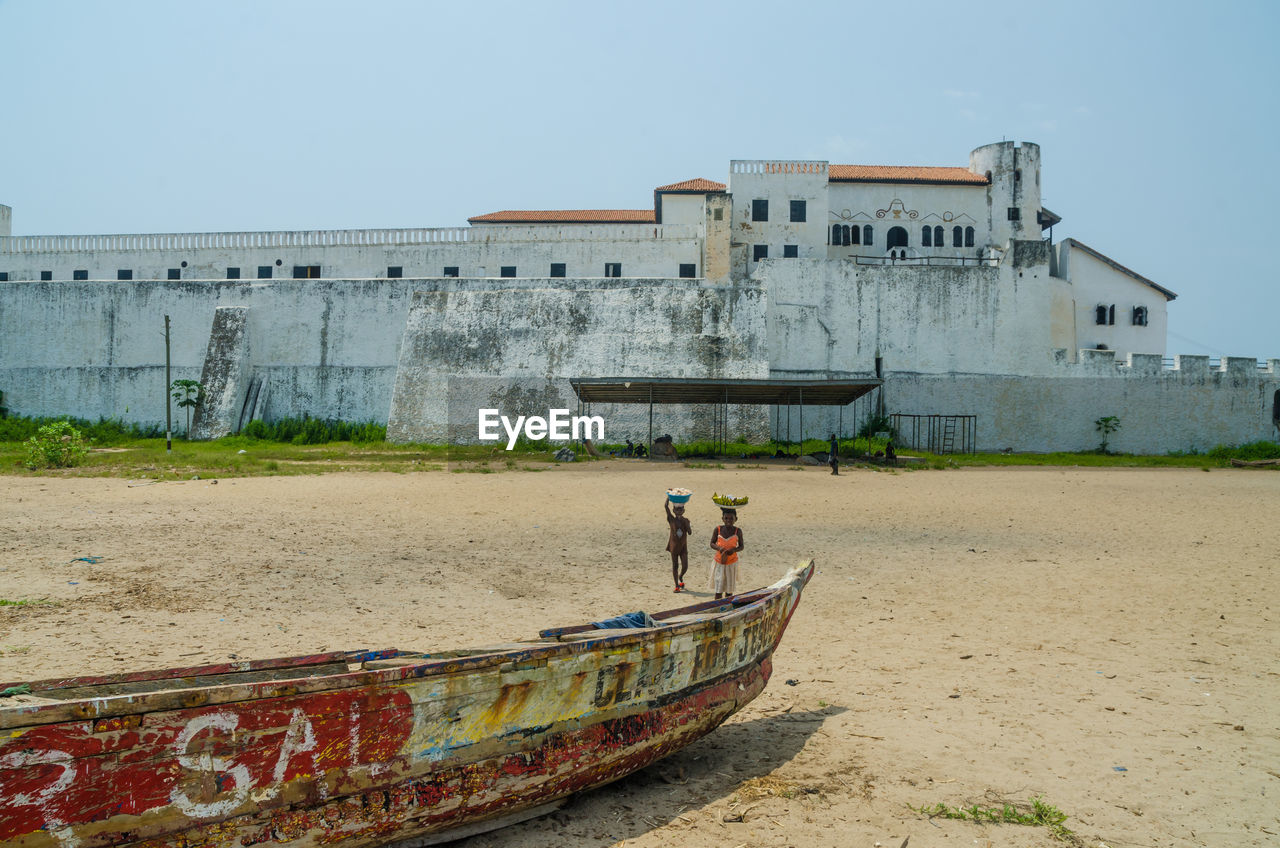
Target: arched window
{"x":897,"y":237}
{"x":968,"y":236}
{"x":957,"y":235}
{"x":926,"y":237}
{"x":844,"y":235}
{"x":1111,"y":314}
{"x":833,"y":237}
{"x":1100,"y":314}
{"x":1139,"y":316}
{"x":867,"y":235}
{"x":938,"y":237}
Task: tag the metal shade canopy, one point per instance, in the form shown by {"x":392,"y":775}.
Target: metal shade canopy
{"x":721,"y":394}
{"x":761,"y":392}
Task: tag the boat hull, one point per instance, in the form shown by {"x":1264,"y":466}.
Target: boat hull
{"x":379,"y":755}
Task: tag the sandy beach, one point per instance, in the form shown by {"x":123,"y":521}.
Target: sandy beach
{"x":1107,"y":639}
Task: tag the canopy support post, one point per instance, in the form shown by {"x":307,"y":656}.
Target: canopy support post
{"x":651,"y":422}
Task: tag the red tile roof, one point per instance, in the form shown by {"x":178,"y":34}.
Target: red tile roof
{"x":566,"y":216}
{"x":903,"y":174}
{"x":696,"y":185}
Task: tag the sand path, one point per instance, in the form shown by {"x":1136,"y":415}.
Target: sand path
{"x":1094,"y":636}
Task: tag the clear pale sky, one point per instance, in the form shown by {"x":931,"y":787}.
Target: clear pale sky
{"x":1157,"y":120}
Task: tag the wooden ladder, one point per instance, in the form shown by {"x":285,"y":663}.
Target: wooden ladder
{"x":949,"y":435}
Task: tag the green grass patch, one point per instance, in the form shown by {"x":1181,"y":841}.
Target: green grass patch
{"x":1037,"y":813}
{"x":311,"y":446}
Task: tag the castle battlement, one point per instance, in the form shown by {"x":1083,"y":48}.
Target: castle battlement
{"x":811,"y":167}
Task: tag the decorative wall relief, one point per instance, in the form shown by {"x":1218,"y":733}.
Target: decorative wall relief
{"x":949,"y":217}
{"x":897,"y":210}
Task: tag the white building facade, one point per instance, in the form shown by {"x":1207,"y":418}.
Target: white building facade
{"x":792,"y":268}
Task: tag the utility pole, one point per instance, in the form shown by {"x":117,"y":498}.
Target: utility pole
{"x":168,"y":410}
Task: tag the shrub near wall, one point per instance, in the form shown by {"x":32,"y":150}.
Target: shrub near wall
{"x":56,"y":445}
{"x":315,"y":431}
{"x":105,"y":431}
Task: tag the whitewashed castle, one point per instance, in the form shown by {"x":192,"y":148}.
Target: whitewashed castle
{"x":943,"y":280}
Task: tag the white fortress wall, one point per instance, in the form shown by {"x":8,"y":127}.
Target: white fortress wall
{"x":833,"y":318}
{"x":516,"y":348}
{"x":1187,"y":408}
{"x":327,"y":347}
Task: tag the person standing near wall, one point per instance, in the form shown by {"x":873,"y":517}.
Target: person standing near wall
{"x":834,"y":458}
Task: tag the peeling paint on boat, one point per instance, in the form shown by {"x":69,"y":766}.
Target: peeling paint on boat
{"x":372,"y":747}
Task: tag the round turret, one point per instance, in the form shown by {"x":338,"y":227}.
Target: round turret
{"x":1014,"y":192}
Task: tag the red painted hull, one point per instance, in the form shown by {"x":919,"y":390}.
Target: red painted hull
{"x":374,"y":747}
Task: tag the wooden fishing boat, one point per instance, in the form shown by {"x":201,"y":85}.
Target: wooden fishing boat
{"x":374,"y":747}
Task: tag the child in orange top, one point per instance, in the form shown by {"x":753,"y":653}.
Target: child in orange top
{"x":727,"y":541}
{"x":678,"y":542}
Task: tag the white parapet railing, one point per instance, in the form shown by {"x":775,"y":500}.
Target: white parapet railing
{"x":778,"y":166}
{"x":346,"y":238}
{"x":189,"y":241}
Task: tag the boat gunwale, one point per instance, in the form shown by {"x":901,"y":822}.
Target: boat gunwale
{"x":162,"y":700}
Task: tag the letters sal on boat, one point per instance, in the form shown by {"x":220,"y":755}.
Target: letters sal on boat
{"x":375,"y":747}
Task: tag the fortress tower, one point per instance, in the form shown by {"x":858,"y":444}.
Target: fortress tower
{"x":1013,"y":201}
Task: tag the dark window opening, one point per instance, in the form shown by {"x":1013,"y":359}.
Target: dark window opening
{"x":799,"y":211}
{"x":306,"y":272}
{"x":233,"y":273}
{"x":957,"y":237}
{"x":46,"y":276}
{"x":759,"y":210}
{"x":717,"y":214}
{"x":124,"y":274}
{"x":939,"y":237}
{"x":507,"y":271}
{"x":1100,"y":314}
{"x":852,"y":235}
{"x":264,"y":272}
{"x":897,"y":237}
{"x":395,"y":272}
{"x":1139,"y":316}
{"x":558,"y":269}
{"x":1015,"y":214}
{"x":84,"y":275}
{"x":1017,"y":175}
{"x":1275,"y":406}
{"x":452,"y":270}
{"x":613,"y":269}
{"x":759,"y":251}
{"x":926,"y":237}
{"x":174,"y":273}
{"x":688,"y":270}
{"x":968,"y":236}
{"x":988,"y":176}
{"x":791,"y":251}
{"x":1111,"y":314}
{"x":4,"y":276}
{"x":867,"y":236}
